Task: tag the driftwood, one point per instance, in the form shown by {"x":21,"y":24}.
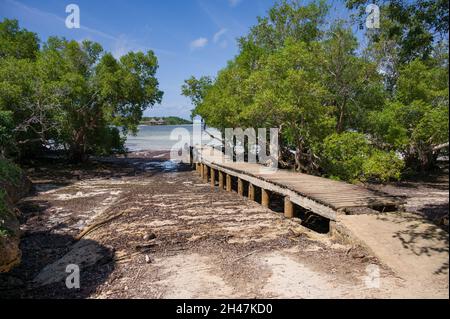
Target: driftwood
{"x":97,"y":225}
{"x":145,"y":246}
{"x":245,"y":256}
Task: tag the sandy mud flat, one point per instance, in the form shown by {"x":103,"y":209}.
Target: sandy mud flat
{"x":143,"y":227}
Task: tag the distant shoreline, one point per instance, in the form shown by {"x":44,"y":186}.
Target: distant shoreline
{"x":160,"y":154}
{"x":161,"y":121}
{"x":144,"y":124}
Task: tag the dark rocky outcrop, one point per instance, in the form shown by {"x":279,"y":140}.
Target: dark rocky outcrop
{"x":12,"y":189}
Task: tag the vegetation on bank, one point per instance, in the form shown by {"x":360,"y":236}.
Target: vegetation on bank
{"x":69,"y":96}
{"x":3,"y":211}
{"x":10,"y":174}
{"x":167,"y":120}
{"x":349,"y":111}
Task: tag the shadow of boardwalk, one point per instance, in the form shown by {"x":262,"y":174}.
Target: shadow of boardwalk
{"x":436,"y":213}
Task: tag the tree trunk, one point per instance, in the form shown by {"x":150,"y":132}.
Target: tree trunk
{"x":339,"y":126}
{"x":340,"y":123}
{"x":78,"y":149}
{"x":427,"y":159}
{"x":422,"y":159}
{"x":78,"y":154}
{"x":298,"y":158}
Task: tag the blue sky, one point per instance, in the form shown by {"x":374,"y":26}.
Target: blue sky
{"x":189,"y":37}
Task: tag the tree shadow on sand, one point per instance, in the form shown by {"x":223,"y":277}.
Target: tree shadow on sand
{"x":42,"y":272}
{"x":422,"y":238}
{"x":48,"y":242}
{"x":437,"y":214}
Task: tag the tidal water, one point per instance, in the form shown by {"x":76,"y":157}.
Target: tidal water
{"x":157,"y":138}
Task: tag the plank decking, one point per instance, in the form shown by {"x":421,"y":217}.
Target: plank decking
{"x":319,"y":195}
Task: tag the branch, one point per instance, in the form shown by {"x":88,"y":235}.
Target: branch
{"x":440,"y":146}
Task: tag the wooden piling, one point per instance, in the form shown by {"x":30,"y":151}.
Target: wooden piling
{"x":312,"y":193}
{"x":213,"y":177}
{"x":288,"y":208}
{"x":240,"y":187}
{"x":264,"y":198}
{"x":221,"y":184}
{"x":191,"y":157}
{"x":205,"y":173}
{"x":251,"y":191}
{"x":229,"y":188}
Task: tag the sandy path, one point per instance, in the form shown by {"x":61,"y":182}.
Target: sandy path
{"x":415,"y":250}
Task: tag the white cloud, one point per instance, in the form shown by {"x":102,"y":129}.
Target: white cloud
{"x":219,"y":34}
{"x":123,"y":44}
{"x":218,"y":21}
{"x":234,"y":3}
{"x":198,"y":43}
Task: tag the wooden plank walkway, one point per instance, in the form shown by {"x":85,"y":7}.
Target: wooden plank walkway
{"x":319,"y":195}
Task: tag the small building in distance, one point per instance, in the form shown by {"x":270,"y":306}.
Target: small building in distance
{"x":170,"y":120}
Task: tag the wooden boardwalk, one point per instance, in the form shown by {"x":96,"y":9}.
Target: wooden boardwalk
{"x":319,"y":195}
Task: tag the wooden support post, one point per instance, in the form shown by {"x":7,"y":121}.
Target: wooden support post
{"x":221,"y":184}
{"x":288,"y":208}
{"x":213,"y":177}
{"x":191,"y":157}
{"x":201,"y":170}
{"x":240,"y":187}
{"x":205,"y":173}
{"x":251,"y":191}
{"x":229,"y":183}
{"x":264,"y":198}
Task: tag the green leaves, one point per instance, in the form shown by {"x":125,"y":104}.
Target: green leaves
{"x":361,"y":112}
{"x":344,"y":155}
{"x":288,"y":20}
{"x":414,"y":26}
{"x":388,"y":127}
{"x":419,"y":81}
{"x":17,"y":43}
{"x":73,"y":92}
{"x":418,"y":118}
{"x":432,"y":128}
{"x":308,"y":83}
{"x":6,"y":132}
{"x":382,"y":166}
{"x":127,"y":87}
{"x":349,"y":156}
{"x":196,"y":89}
{"x":354,"y":86}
